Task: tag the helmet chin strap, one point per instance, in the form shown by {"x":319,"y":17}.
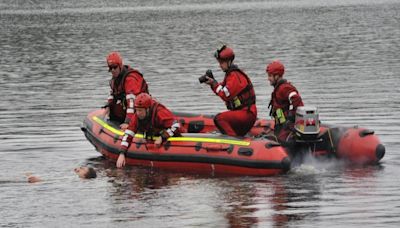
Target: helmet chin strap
{"x":229,"y":64}
{"x":146,"y":116}
{"x":276,"y":79}
{"x":147,"y":113}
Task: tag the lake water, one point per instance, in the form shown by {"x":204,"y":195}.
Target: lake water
{"x":342,"y":55}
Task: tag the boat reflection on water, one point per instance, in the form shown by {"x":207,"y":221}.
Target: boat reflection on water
{"x":221,"y":200}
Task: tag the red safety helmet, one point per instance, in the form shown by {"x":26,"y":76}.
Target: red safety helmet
{"x":143,"y":100}
{"x":275,"y":67}
{"x":114,"y":58}
{"x":224,"y":53}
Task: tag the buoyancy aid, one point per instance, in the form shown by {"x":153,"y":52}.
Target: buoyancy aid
{"x":118,"y":85}
{"x":246,"y":97}
{"x":150,"y":126}
{"x":280,"y":108}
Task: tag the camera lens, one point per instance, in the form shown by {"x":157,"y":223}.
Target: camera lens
{"x":202,"y":79}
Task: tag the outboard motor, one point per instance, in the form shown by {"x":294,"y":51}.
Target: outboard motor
{"x":307,"y":124}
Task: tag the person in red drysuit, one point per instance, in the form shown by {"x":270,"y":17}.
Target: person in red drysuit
{"x":237,"y":91}
{"x":151,"y":119}
{"x":284,"y":102}
{"x":125,"y":84}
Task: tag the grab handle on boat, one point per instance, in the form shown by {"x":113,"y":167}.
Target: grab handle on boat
{"x":271,"y":144}
{"x":215,"y":148}
{"x":83,"y":129}
{"x":366,"y":132}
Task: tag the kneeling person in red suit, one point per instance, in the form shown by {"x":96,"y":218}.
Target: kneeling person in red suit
{"x":237,"y":91}
{"x":151,"y":119}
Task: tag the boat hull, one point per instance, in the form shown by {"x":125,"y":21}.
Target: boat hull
{"x":198,"y":153}
{"x":355,"y":145}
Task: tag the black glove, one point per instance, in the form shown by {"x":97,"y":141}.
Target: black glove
{"x":209,"y":73}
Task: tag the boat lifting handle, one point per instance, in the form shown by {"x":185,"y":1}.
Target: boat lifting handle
{"x":217,"y":147}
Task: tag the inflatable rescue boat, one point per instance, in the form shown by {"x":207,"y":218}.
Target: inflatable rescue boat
{"x":353,"y":144}
{"x":194,"y":152}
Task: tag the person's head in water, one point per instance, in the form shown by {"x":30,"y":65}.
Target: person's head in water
{"x":85,"y":172}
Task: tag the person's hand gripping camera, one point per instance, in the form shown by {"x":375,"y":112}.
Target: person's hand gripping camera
{"x":207,"y":78}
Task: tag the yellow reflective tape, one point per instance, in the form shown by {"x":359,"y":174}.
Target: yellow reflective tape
{"x":174,"y":139}
{"x":107,"y":126}
{"x":210,"y":140}
{"x":112,"y":129}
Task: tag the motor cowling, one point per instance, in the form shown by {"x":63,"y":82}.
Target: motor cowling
{"x":307,"y":123}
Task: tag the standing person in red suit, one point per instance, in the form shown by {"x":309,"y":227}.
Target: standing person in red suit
{"x":125,"y":83}
{"x":237,"y":91}
{"x":284,"y":102}
{"x":151,"y":119}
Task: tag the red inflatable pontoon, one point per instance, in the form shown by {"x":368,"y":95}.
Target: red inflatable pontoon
{"x":199,"y":152}
{"x":355,"y":145}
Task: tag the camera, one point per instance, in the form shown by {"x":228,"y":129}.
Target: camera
{"x":203,"y":78}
